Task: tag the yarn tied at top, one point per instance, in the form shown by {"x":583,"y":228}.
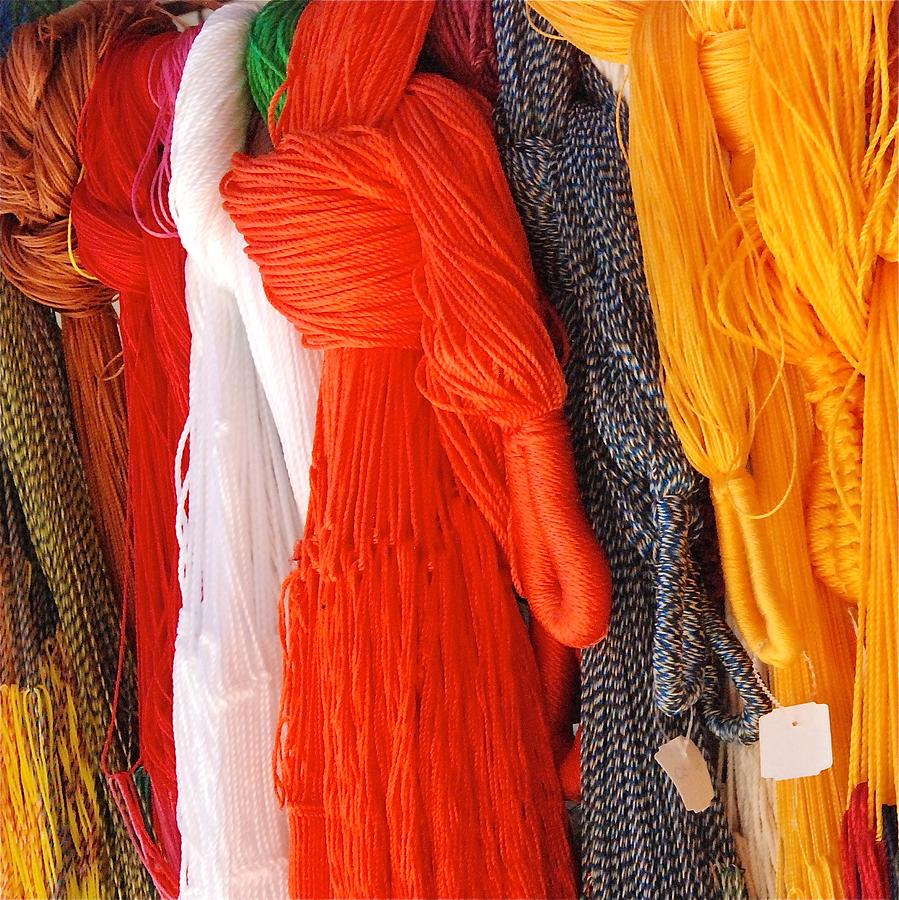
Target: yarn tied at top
{"x":395,"y":189}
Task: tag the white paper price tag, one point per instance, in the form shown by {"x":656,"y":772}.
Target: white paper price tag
{"x":684,"y":765}
{"x":794,"y":741}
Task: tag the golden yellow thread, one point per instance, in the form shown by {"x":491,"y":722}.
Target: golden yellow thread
{"x":69,"y":245}
{"x":763,"y":154}
{"x":47,"y":789}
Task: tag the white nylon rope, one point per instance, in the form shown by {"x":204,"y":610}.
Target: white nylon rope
{"x":242,"y":501}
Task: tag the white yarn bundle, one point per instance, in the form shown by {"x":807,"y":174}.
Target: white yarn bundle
{"x":751,"y":805}
{"x":752,"y":816}
{"x":242,"y":501}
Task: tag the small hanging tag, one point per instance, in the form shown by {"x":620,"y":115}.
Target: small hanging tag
{"x":684,"y":765}
{"x":794,"y":741}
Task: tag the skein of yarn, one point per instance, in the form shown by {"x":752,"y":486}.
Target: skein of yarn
{"x":838,"y":258}
{"x":47,"y":782}
{"x":58,"y":725}
{"x":713,"y":416}
{"x":31,"y":673}
{"x":243,"y":498}
{"x":126,"y":239}
{"x":556,"y":119}
{"x":460,"y":44}
{"x":397,"y":570}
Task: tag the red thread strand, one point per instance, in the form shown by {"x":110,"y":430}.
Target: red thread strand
{"x":114,"y":210}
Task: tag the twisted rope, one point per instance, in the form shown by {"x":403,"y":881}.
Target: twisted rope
{"x":556,"y":118}
{"x":39,"y":442}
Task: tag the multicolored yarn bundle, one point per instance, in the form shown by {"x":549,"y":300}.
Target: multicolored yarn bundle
{"x":558,"y":132}
{"x":61,"y":831}
{"x":340,"y":343}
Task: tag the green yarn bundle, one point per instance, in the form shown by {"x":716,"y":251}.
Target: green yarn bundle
{"x":271,"y":37}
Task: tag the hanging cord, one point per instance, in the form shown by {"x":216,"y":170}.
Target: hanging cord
{"x":122,"y":140}
{"x":414,"y":405}
{"x":39,"y":442}
{"x":37,"y":852}
{"x":242,"y":500}
{"x":557,"y":127}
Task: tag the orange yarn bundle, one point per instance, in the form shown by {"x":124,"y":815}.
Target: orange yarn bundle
{"x":384,"y":230}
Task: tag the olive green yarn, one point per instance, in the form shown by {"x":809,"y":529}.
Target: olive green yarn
{"x":38,"y":444}
{"x":268,"y":49}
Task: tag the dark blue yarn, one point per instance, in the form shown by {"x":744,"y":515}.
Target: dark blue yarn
{"x":668,"y":647}
{"x":14,"y":13}
{"x":891,"y":843}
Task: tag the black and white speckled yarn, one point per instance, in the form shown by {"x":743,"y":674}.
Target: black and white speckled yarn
{"x":668,"y":647}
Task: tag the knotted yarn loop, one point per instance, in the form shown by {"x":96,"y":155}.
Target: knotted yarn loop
{"x":353,"y":174}
{"x":414,"y":186}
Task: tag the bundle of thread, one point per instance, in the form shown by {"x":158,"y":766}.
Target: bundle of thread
{"x":760,"y":302}
{"x":126,"y":239}
{"x":61,"y":831}
{"x":436,"y":401}
{"x":558,"y":129}
{"x":243,"y":498}
{"x":460,"y":44}
{"x":28,"y":675}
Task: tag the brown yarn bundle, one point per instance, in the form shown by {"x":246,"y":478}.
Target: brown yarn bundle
{"x":44,"y":81}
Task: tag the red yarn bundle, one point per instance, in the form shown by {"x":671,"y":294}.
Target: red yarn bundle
{"x":384,"y":229}
{"x":461,"y":44}
{"x":461,"y":40}
{"x":119,"y":213}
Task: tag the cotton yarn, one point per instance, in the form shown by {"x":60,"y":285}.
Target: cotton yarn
{"x":242,"y":499}
{"x":127,"y":240}
{"x":460,"y":38}
{"x":556,"y":118}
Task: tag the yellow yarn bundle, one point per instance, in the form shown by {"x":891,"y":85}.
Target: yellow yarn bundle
{"x":762,"y":154}
{"x":47,"y":790}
